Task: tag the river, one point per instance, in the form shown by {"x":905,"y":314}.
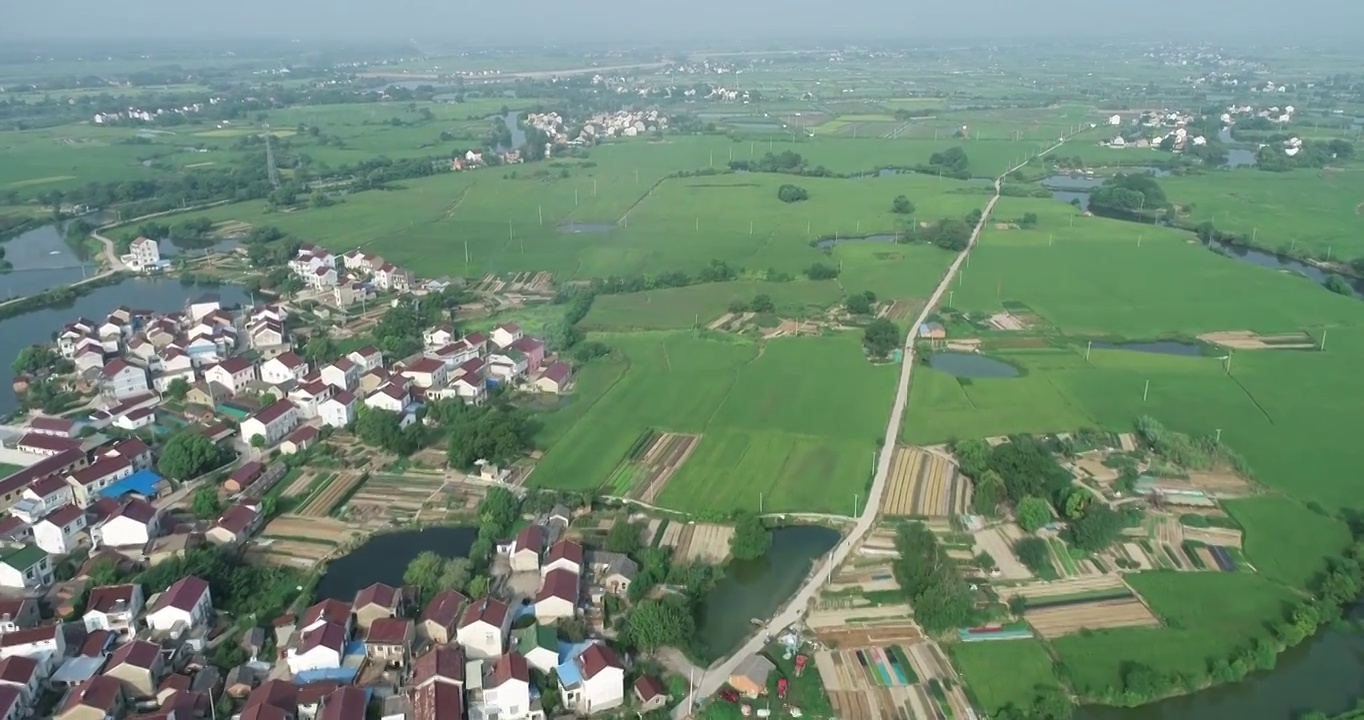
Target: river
{"x":1277,"y":262}
{"x":756,"y":588}
{"x":42,"y":260}
{"x":39,"y":326}
{"x":1325,"y":673}
{"x":384,"y":558}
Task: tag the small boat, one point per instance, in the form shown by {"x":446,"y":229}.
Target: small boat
{"x":54,"y":252}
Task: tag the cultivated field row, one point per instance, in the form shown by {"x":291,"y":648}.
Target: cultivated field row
{"x":1053,"y":622}
{"x":925,"y":484}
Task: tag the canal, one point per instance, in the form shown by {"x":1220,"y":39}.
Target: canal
{"x":757,"y":588}
{"x":384,"y":559}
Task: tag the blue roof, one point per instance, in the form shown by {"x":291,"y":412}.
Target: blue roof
{"x":341,"y":675}
{"x":522,"y":611}
{"x":567,"y":668}
{"x":142,"y":482}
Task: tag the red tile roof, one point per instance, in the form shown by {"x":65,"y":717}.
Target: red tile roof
{"x":346,"y":703}
{"x":445,"y":662}
{"x":528,"y":345}
{"x":390,"y":631}
{"x":234,"y":365}
{"x":137,"y":510}
{"x":385,"y":596}
{"x":138,"y":653}
{"x":437,"y":701}
{"x":275,"y":411}
{"x":345,"y":397}
{"x":648,"y":687}
{"x":278,"y":694}
{"x":32,"y":635}
{"x":476,"y":338}
{"x":290,"y":360}
{"x":100,"y":692}
{"x":52,"y":424}
{"x":368,"y":351}
{"x":328,"y":610}
{"x":509,"y":327}
{"x":130,"y":448}
{"x":17,"y":669}
{"x":96,"y":643}
{"x":305,"y":435}
{"x":531,"y":537}
{"x":559,"y":583}
{"x":111,"y":598}
{"x":49,"y":486}
{"x":182,"y":595}
{"x":344,"y":364}
{"x":9,"y":700}
{"x":51,"y":443}
{"x":64,"y":515}
{"x":47,"y":466}
{"x":327,"y":635}
{"x":237,"y":519}
{"x":101,"y":469}
{"x":597,"y":658}
{"x":558,"y":372}
{"x":508,"y":667}
{"x":247,"y":473}
{"x":425,"y":365}
{"x":444,"y":608}
{"x":11,"y":608}
{"x":565,"y":550}
{"x":488,"y":610}
{"x":115,"y":366}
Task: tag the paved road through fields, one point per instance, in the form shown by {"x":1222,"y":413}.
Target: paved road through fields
{"x":718,"y":673}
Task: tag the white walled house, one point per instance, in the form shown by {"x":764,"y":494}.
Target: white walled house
{"x":427,"y":373}
{"x":114,"y":608}
{"x":61,"y":532}
{"x":558,"y":596}
{"x":283,"y":368}
{"x":24,"y":566}
{"x":368,"y":358}
{"x":438,"y":337}
{"x":122,"y":380}
{"x":233,"y":373}
{"x":87,"y":482}
{"x":132,"y":525}
{"x":339,"y":410}
{"x":47,"y":495}
{"x":506,"y":334}
{"x":482,"y":629}
{"x":186,"y":602}
{"x":343,"y":374}
{"x":601,"y":684}
{"x":25,"y":676}
{"x":271,"y":423}
{"x":137,"y":418}
{"x":320,"y":646}
{"x":45,"y":643}
{"x":506,"y":689}
{"x":392,"y":398}
{"x":307,"y":398}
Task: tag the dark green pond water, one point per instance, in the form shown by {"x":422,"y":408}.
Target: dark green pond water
{"x":971,"y":365}
{"x":756,"y":588}
{"x":384,"y":558}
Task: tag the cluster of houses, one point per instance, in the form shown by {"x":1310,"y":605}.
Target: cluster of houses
{"x":1275,"y":113}
{"x":133,"y":352}
{"x":146,"y":116}
{"x":1155,"y":129}
{"x":127,"y":652}
{"x":355,"y":272}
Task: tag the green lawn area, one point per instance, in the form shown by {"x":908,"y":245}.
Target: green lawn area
{"x":1281,"y":534}
{"x":765,"y":428}
{"x":1206,"y":615}
{"x":1004,"y":672}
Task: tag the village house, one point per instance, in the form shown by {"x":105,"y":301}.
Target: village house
{"x":266,"y":334}
{"x":392,"y":277}
{"x":114,"y":608}
{"x":470,"y":388}
{"x":600,"y":684}
{"x":563,"y":555}
{"x":392,"y":397}
{"x":12,"y":529}
{"x":533,"y":349}
{"x":338,"y":411}
{"x":145,"y":253}
{"x":59,"y":427}
{"x":46,"y":644}
{"x":650,"y":693}
{"x":506,"y":334}
{"x":244,"y":476}
{"x":21,"y":674}
{"x":441,"y":665}
{"x":453,"y":354}
{"x":427,"y":373}
{"x":18,"y":614}
{"x":135,"y":419}
{"x":320,"y":646}
{"x":26,"y":567}
{"x":482,"y":631}
{"x":506,"y":689}
{"x":45,"y":445}
{"x":61,"y":532}
{"x":526,"y":548}
{"x":478,"y":341}
{"x":134,"y":451}
{"x":343,"y":374}
{"x":373,"y":380}
{"x":186,"y":603}
{"x":284,"y":368}
{"x":320,"y":278}
{"x":123,"y":380}
{"x":439,"y":620}
{"x":132,"y":525}
{"x":87,"y":483}
{"x":437,"y":701}
{"x":73,"y":333}
{"x":308,"y":397}
{"x":299,"y":440}
{"x":508,"y":366}
{"x":99,"y":698}
{"x":555,"y":378}
{"x":374,"y":602}
{"x":539,"y":645}
{"x":367,"y":358}
{"x":235,"y":526}
{"x":388,"y":641}
{"x":439,"y":336}
{"x":558,"y":596}
{"x":234,"y":373}
{"x":89,"y":357}
{"x":138,"y":666}
{"x":43,"y":497}
{"x":347,"y":702}
{"x":271,"y":424}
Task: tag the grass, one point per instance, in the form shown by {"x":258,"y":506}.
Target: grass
{"x":1281,"y":534}
{"x":685,"y":307}
{"x":768,"y":437}
{"x":1003,"y":673}
{"x":1206,"y":615}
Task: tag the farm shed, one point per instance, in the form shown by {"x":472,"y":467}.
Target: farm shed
{"x":750,"y":677}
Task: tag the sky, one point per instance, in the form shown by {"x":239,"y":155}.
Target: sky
{"x":562,"y":21}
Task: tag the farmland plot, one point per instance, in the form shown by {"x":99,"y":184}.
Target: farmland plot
{"x":925,"y":484}
{"x":1096,"y":602}
{"x":872,"y":683}
{"x":651,"y":461}
{"x":706,"y":542}
{"x":329,"y":495}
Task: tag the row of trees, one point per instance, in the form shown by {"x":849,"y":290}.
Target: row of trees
{"x":1311,"y":154}
{"x":931,"y":581}
{"x":1128,"y":197}
{"x":880,"y":338}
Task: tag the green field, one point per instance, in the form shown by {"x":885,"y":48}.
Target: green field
{"x":1205,"y":615}
{"x":765,"y":430}
{"x":697,"y":305}
{"x":1004,"y":672}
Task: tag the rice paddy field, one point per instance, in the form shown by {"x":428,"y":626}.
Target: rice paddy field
{"x":696,"y":305}
{"x":1001,"y":673}
{"x":767,"y":437}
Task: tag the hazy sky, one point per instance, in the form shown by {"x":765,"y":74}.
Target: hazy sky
{"x":538,"y":21}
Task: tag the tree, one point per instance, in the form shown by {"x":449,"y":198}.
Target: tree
{"x":1098,"y":528}
{"x":659,"y":623}
{"x":1077,"y":501}
{"x":751,"y":538}
{"x":320,"y":349}
{"x":989,"y":493}
{"x":432,"y":573}
{"x":862,"y":303}
{"x":974,"y":456}
{"x":949,"y":234}
{"x":761,"y":303}
{"x":1339,"y":285}
{"x":32,"y":359}
{"x":258,"y":441}
{"x":792,"y":194}
{"x":498,"y":510}
{"x":624,"y":537}
{"x":1034,"y":554}
{"x":951,"y":159}
{"x":902,"y":206}
{"x":187,"y":455}
{"x":205,"y":502}
{"x":478,"y":586}
{"x":1033,"y":513}
{"x":1018,"y":604}
{"x":178,"y":389}
{"x":880,"y":338}
{"x":820,"y":271}
{"x":382,"y":429}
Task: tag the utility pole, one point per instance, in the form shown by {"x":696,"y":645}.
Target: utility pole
{"x":856,"y":497}
{"x":542,"y":214}
{"x":1218,"y":440}
{"x":1323,"y":340}
{"x":1145,"y":391}
{"x":1088,"y":346}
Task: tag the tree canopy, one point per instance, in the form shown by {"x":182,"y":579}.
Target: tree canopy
{"x":1035,"y":555}
{"x":931,"y":580}
{"x":952,"y":159}
{"x":1033,"y":513}
{"x":902,"y":206}
{"x":432,"y":573}
{"x":205,"y":503}
{"x":653,"y":624}
{"x":862,"y":303}
{"x":792,"y":193}
{"x":187,"y":455}
{"x":751,"y":538}
{"x":880,"y":338}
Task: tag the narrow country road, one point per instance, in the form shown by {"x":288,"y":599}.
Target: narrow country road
{"x":718,"y":673}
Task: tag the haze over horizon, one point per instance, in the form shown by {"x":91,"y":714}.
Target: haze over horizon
{"x":538,"y":21}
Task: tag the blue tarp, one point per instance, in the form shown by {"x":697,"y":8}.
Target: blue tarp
{"x":142,"y":482}
{"x":568,"y":669}
{"x":344,"y":675}
{"x":522,"y":611}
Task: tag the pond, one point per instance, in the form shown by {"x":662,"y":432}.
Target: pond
{"x":584,"y":227}
{"x":1277,"y":262}
{"x":518,"y":134}
{"x":1237,"y":157}
{"x":384,"y":558}
{"x":971,"y":365}
{"x":1325,"y":673}
{"x":826,"y":243}
{"x":154,"y":294}
{"x":756,"y":588}
{"x":41,"y":261}
{"x":1161,"y":347}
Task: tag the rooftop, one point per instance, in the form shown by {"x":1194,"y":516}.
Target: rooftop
{"x":385,"y":596}
{"x":390,"y":631}
{"x":22,"y":557}
{"x":488,"y":610}
{"x":138,"y":653}
{"x":110,"y":598}
{"x":182,"y":595}
{"x":444,"y":608}
{"x":559,"y":583}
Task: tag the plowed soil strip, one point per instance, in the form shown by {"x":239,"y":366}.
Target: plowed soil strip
{"x":1055,"y":622}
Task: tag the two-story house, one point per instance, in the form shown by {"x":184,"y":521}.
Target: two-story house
{"x":46,"y":644}
{"x":186,"y":603}
{"x":309,"y":396}
{"x":87,"y":483}
{"x":338,"y":411}
{"x":367,"y":358}
{"x":114,"y":608}
{"x":18,"y":614}
{"x":132,"y":525}
{"x":319,"y":646}
{"x":138,"y":665}
{"x":271,"y":423}
{"x":506,"y":334}
{"x":134,"y":450}
{"x":388,"y":642}
{"x":124,"y":380}
{"x":43,"y":497}
{"x":62,"y":531}
{"x":392,"y":397}
{"x":600,"y":681}
{"x":506,"y":689}
{"x":558,"y":596}
{"x":235,"y":525}
{"x":234,"y":373}
{"x":22,"y":674}
{"x":24,"y":566}
{"x":427,"y":373}
{"x":99,"y":698}
{"x":482,"y":630}
{"x":343,"y":374}
{"x":439,"y":620}
{"x":375,"y":602}
{"x":284,"y":368}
